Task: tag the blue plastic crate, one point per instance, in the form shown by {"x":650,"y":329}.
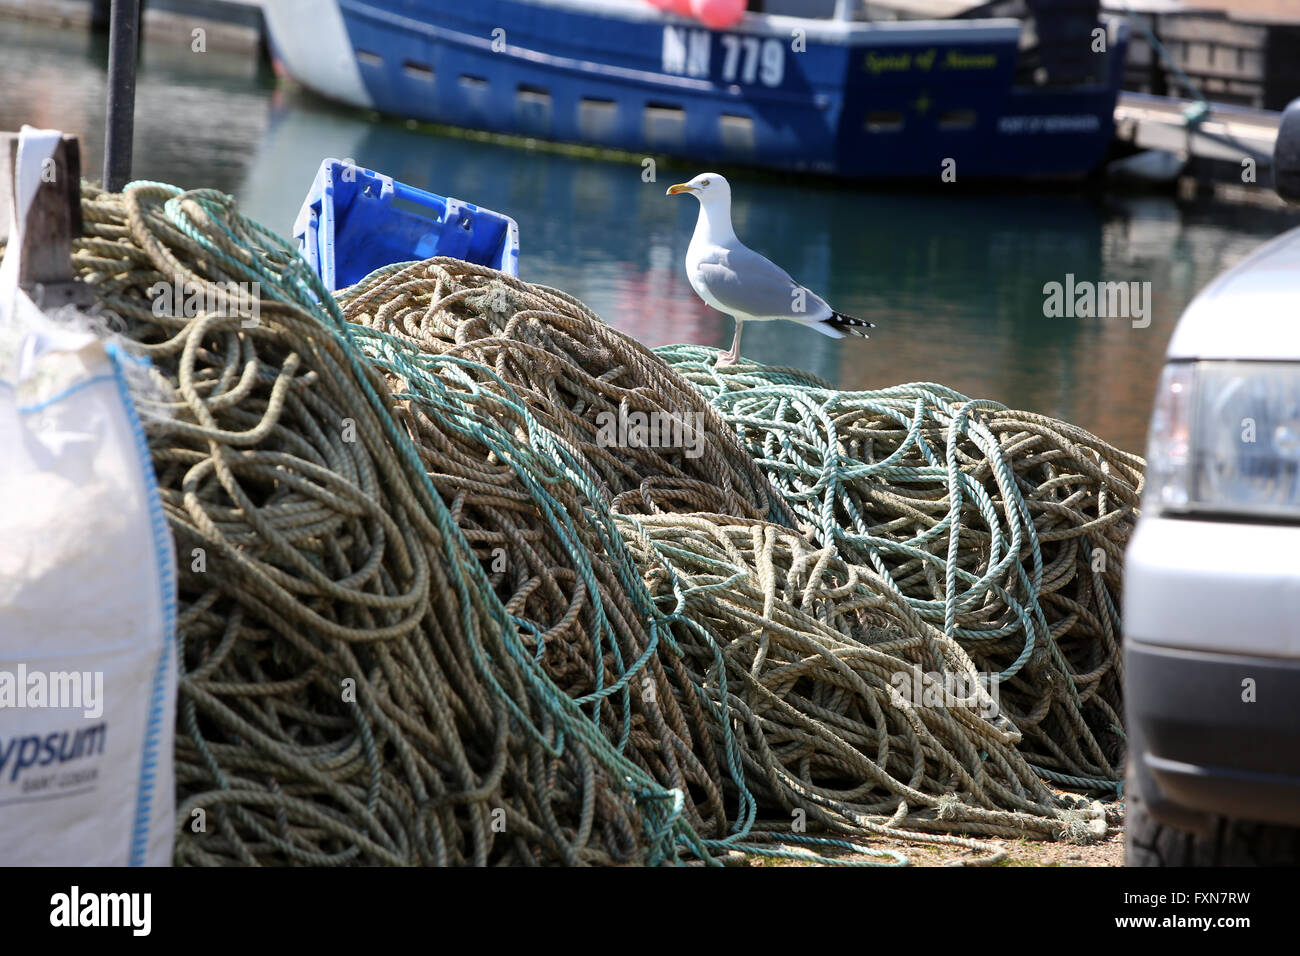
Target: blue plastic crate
{"x":355,"y":221}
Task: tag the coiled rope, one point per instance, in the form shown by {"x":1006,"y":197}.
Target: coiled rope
{"x":351,"y":689}
{"x":564,"y":648}
{"x":450,"y":310}
{"x":1006,"y":529}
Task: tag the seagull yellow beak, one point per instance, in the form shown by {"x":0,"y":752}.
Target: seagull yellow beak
{"x":680,"y":188}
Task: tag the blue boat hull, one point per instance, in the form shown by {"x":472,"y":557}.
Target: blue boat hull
{"x":886,"y":101}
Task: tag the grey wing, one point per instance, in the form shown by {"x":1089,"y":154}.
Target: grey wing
{"x":745,"y":282}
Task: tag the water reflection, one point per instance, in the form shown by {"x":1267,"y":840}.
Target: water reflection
{"x":198,"y":116}
{"x":954,"y":281}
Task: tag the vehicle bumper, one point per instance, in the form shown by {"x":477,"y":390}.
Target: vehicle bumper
{"x":1214,"y":586}
{"x":1213,"y":734}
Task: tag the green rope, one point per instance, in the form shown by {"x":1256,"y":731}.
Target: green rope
{"x":570,"y":651}
{"x":951,"y":502}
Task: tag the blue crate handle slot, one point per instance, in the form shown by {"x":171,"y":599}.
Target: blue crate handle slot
{"x":355,"y":221}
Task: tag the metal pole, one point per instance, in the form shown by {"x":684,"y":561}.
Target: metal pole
{"x":123,"y":43}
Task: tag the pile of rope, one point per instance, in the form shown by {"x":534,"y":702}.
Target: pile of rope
{"x":351,"y":691}
{"x":446,"y":598}
{"x":579,"y":377}
{"x":844,"y":696}
{"x":538,"y":345}
{"x":1004,"y":528}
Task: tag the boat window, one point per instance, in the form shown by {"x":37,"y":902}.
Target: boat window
{"x":737,"y":132}
{"x":418,"y":71}
{"x":597,"y":118}
{"x":532,"y":94}
{"x":664,"y":123}
{"x":956,"y":119}
{"x":369,"y":59}
{"x":533,"y":108}
{"x":883,"y":121}
{"x":473,"y":82}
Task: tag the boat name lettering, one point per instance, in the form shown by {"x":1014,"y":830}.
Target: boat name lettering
{"x":686,"y":52}
{"x":956,"y":60}
{"x":877,"y":63}
{"x":745,"y":59}
{"x":1081,"y":123}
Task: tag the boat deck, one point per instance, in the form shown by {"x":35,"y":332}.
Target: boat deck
{"x":1228,"y":134}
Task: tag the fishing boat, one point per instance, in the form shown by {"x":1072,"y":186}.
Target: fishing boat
{"x":958,"y":97}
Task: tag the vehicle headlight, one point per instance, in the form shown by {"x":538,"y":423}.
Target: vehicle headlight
{"x":1225,"y":438}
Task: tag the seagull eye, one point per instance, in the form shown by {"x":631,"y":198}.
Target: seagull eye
{"x":704,"y":182}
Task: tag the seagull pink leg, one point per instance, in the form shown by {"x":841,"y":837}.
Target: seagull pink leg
{"x":732,"y":356}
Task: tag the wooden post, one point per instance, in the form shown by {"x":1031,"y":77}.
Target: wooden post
{"x":53,"y":220}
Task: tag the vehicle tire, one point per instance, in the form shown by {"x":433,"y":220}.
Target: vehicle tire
{"x":1229,"y":842}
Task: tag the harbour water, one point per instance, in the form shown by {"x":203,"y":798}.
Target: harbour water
{"x":953,"y":279}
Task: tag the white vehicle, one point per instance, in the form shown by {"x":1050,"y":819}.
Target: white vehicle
{"x":1212,"y":575}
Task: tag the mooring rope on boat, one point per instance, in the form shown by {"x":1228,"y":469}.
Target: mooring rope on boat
{"x":562,"y":648}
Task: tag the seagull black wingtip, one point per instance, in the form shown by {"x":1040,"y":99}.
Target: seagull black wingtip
{"x":850,"y":323}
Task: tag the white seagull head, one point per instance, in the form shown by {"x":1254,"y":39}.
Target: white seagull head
{"x":708,"y":188}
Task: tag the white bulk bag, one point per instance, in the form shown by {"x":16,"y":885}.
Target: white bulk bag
{"x":87,"y":592}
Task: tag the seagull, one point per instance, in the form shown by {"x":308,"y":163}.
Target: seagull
{"x":738,"y":282}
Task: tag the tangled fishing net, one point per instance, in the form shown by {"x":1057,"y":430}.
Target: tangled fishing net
{"x":485,"y":581}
